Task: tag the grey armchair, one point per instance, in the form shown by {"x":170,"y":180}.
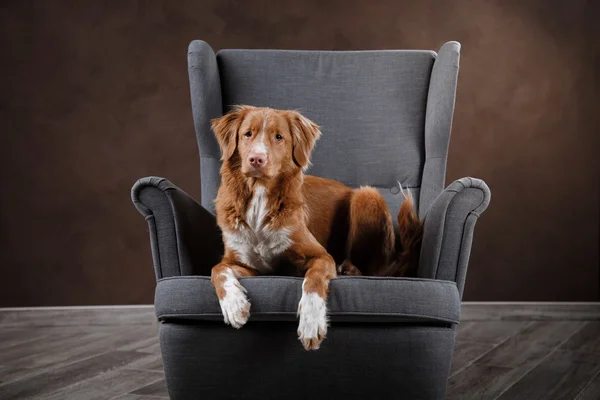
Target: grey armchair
{"x":386,"y":118}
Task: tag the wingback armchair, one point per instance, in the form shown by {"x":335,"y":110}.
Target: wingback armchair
{"x":386,"y":119}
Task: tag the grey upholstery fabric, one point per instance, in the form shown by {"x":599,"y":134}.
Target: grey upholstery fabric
{"x":184,"y":237}
{"x":438,"y":123}
{"x":448,"y":230}
{"x":366,"y":121}
{"x":276,"y":298}
{"x":264,"y":360}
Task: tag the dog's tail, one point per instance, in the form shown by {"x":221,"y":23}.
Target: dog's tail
{"x":410,"y":235}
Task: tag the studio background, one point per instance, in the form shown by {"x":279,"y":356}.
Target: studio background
{"x":94,"y":95}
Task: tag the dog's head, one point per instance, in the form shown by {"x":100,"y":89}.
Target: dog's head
{"x":265,"y":143}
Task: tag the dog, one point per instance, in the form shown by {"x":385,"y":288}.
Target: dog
{"x":277,"y":220}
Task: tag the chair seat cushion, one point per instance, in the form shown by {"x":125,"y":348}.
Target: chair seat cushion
{"x":351,"y":299}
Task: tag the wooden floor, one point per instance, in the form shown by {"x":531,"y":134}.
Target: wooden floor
{"x":516,"y":353}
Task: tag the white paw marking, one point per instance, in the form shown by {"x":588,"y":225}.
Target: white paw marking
{"x":235,"y":305}
{"x":313,"y":320}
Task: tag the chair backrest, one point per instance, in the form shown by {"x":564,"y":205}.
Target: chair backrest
{"x":385,"y":115}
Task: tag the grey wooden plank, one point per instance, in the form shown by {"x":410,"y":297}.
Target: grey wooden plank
{"x":480,"y":382}
{"x":17,"y":356}
{"x":40,"y":317}
{"x":500,"y":368}
{"x":158,"y":388}
{"x":5,"y":373}
{"x":489,"y":331}
{"x":107,"y":385}
{"x":462,"y":326}
{"x":110,"y":341}
{"x":141,"y":343}
{"x":150,"y":362}
{"x":152,"y":349}
{"x":130,"y":396}
{"x":49,"y":335}
{"x":561,"y":376}
{"x":50,"y":381}
{"x":11,"y":337}
{"x":592,"y":390}
{"x":26,"y":359}
{"x":494,"y":311}
{"x":531,"y":344}
{"x":69,"y":344}
{"x":80,"y":347}
{"x":8,"y":374}
{"x":586,"y":340}
{"x":14,"y":336}
{"x":466,"y":352}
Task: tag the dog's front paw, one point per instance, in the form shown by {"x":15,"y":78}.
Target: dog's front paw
{"x":235,"y":305}
{"x":313,"y":320}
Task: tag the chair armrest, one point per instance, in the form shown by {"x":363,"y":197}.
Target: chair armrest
{"x":448,"y":230}
{"x":184,"y":236}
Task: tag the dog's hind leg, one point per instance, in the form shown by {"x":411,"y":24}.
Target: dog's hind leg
{"x":370,"y":245}
{"x":349,"y":269}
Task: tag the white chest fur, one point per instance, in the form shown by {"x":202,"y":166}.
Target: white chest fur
{"x":257,"y":245}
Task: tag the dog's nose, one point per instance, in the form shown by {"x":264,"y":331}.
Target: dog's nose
{"x":257,"y":159}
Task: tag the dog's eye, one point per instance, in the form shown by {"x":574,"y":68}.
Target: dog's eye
{"x":248,"y":134}
{"x":278,"y":137}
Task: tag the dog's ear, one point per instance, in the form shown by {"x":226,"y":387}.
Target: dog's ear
{"x":305,"y":134}
{"x":226,"y":130}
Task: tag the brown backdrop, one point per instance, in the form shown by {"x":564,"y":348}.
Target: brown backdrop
{"x":95,"y":94}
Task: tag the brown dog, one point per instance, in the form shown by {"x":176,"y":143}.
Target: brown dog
{"x":276,"y":220}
